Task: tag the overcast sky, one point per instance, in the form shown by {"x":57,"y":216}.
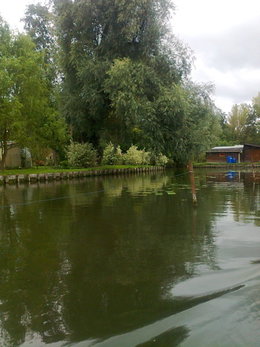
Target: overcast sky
{"x":13,"y":10}
{"x":223,"y":35}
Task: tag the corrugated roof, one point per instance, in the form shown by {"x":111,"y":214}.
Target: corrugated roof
{"x":227,"y":149}
{"x":251,"y":145}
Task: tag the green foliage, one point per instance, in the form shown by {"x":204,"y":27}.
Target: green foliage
{"x":64,"y":164}
{"x":38,"y":23}
{"x":116,"y":63}
{"x":81,"y":155}
{"x":199,"y":126}
{"x":253,"y":122}
{"x":112,"y":155}
{"x":180,"y":121}
{"x":134,"y":156}
{"x":132,"y":88}
{"x":26,"y":107}
{"x":123,"y":80}
{"x":237,"y":122}
{"x":111,"y":29}
{"x":190,"y":121}
{"x":158,"y":159}
{"x":242,"y":124}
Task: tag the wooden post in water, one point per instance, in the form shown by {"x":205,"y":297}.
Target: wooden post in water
{"x":253,"y":169}
{"x":192,"y":181}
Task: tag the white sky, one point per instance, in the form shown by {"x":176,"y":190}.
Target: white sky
{"x":223,"y":35}
{"x":13,"y":10}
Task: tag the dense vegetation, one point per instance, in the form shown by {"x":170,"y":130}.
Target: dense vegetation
{"x":242,"y":125}
{"x":106,"y":72}
{"x":28,"y":111}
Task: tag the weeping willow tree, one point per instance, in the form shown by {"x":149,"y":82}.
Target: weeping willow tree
{"x":125,"y":77}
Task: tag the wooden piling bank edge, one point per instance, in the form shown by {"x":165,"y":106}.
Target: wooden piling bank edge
{"x":57,"y":176}
{"x":226,"y":166}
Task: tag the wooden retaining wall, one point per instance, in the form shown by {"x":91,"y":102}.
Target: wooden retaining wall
{"x":48,"y":177}
{"x":227,"y":166}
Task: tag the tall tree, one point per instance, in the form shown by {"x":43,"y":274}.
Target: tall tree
{"x":178,"y":120}
{"x":39,"y":25}
{"x":125,"y":77}
{"x":243,"y":123}
{"x":92,"y":35}
{"x":26,"y":115}
{"x":10,"y":106}
{"x":255,"y":119}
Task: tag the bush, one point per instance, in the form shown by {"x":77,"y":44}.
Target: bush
{"x":170,"y":163}
{"x":134,"y":156}
{"x":81,"y":155}
{"x":159,"y":159}
{"x":146,"y":157}
{"x":64,"y":164}
{"x":112,"y":155}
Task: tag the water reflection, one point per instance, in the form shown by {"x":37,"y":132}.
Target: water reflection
{"x":90,"y":259}
{"x":243,"y":194}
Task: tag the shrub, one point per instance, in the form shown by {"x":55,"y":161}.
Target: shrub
{"x":146,"y":157}
{"x":64,"y":164}
{"x":81,"y":155}
{"x":170,"y":163}
{"x":161,"y":160}
{"x":112,"y":155}
{"x":134,"y":156}
{"x":158,"y":159}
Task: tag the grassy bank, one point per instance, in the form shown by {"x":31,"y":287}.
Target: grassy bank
{"x":48,"y":169}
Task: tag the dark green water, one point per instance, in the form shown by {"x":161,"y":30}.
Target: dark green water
{"x":130,"y":261}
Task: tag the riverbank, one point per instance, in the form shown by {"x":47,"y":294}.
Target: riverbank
{"x":46,"y":174}
{"x":226,"y":165}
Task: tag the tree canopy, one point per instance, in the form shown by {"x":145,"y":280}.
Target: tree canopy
{"x":242,"y":124}
{"x":113,"y":70}
{"x":26,"y":114}
{"x":126,"y":77}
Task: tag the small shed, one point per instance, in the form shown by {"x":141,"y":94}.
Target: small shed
{"x":13,"y":158}
{"x":220,"y":154}
{"x":17,"y":157}
{"x":251,"y":153}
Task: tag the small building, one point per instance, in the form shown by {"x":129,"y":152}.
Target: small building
{"x":17,"y":157}
{"x":251,"y":153}
{"x":13,"y":158}
{"x":240,"y":153}
{"x":221,"y":154}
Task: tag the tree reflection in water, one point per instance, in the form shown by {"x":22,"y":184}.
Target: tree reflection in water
{"x":89,"y":266}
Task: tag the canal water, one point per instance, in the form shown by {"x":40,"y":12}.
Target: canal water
{"x":130,"y":261}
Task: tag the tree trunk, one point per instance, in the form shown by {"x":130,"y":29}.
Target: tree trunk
{"x":4,"y":150}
